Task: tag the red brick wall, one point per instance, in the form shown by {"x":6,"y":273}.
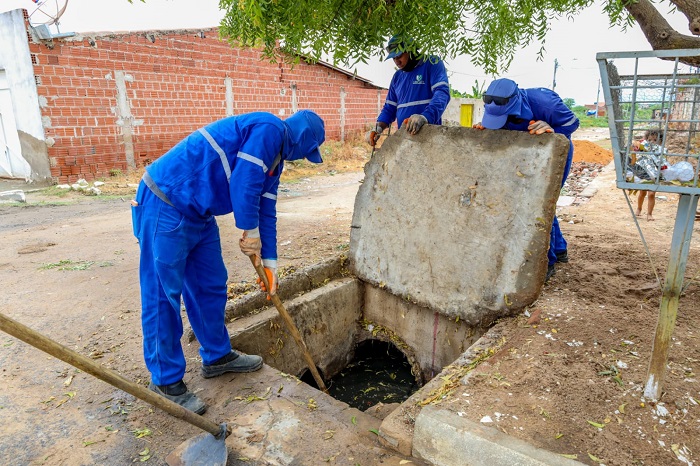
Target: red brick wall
{"x":172,"y":83}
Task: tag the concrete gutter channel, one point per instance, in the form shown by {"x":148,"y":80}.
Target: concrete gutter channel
{"x":445,"y":329}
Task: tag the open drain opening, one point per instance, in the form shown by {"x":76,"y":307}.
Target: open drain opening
{"x":378,"y":373}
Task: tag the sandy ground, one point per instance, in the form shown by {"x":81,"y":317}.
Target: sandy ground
{"x":70,"y":271}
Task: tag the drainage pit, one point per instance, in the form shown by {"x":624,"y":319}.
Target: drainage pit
{"x":378,"y":373}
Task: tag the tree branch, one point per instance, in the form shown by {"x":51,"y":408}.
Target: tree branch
{"x":659,"y":33}
{"x":691,"y":10}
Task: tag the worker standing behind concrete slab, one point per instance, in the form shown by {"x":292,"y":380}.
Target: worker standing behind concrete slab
{"x":538,"y":110}
{"x":418,"y":93}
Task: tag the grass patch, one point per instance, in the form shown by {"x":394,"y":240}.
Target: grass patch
{"x":53,"y":191}
{"x":592,"y":122}
{"x":67,"y":264}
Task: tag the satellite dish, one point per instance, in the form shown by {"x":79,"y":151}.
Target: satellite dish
{"x":45,"y":15}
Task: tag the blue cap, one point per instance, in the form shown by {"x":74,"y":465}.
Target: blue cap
{"x":495,"y":116}
{"x":307,"y":134}
{"x":396,"y":47}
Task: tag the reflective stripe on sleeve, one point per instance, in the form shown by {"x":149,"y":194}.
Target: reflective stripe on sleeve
{"x":219,"y":150}
{"x":414,"y":103}
{"x":570,"y":122}
{"x":441,"y":83}
{"x":391,"y":102}
{"x":255,"y":160}
{"x":270,"y":196}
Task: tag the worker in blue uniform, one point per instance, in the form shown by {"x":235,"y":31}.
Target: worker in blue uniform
{"x":539,"y":111}
{"x":231,"y":165}
{"x":418,"y":93}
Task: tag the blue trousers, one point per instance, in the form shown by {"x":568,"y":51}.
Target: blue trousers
{"x":180,"y":258}
{"x":557,"y":243}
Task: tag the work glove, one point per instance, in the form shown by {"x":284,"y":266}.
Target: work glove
{"x":271,"y":274}
{"x":251,"y":246}
{"x":478,"y":126}
{"x":415,"y":123}
{"x":539,"y":127}
{"x":373,"y":136}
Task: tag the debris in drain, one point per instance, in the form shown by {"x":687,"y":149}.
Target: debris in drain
{"x":379,"y":373}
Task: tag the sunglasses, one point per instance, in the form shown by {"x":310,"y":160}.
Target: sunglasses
{"x":500,"y":101}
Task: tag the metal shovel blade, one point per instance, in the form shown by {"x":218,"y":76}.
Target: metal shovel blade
{"x":202,"y":450}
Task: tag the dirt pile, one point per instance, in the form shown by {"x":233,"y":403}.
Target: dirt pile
{"x":587,"y":151}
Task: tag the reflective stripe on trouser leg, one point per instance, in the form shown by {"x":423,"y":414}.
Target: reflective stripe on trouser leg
{"x":557,"y":243}
{"x":205,"y":294}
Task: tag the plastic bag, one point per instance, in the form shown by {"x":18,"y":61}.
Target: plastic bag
{"x":681,"y":171}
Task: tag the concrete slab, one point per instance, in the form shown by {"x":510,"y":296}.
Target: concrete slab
{"x":276,"y":420}
{"x":15,"y":195}
{"x":457,"y":219}
{"x":445,"y":439}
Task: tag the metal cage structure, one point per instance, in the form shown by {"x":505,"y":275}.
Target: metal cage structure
{"x":645,"y":101}
{"x":654,"y":118}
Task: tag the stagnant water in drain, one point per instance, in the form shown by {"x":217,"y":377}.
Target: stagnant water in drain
{"x":378,"y":373}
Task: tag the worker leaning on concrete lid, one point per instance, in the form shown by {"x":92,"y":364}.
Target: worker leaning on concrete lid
{"x":537,"y":110}
{"x":232,"y":165}
{"x":418,"y":93}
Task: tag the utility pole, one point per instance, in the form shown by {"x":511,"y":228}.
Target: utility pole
{"x":597,"y":100}
{"x":554,"y":78}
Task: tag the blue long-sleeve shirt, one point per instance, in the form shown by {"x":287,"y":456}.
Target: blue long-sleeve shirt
{"x":425,"y":90}
{"x":226,"y":167}
{"x":543,"y":104}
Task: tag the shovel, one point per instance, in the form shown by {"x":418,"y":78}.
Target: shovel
{"x":290,"y":326}
{"x":204,"y":449}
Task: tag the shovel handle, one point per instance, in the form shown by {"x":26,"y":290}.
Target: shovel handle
{"x":85,"y":364}
{"x":290,"y":325}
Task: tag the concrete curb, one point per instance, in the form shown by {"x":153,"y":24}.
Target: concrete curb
{"x":445,"y":439}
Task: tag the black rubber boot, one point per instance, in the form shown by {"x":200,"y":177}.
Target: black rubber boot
{"x":563,"y":256}
{"x":550,"y":271}
{"x":232,"y":362}
{"x":178,"y":393}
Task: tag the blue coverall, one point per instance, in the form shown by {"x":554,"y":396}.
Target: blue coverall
{"x":425,"y":90}
{"x":546,"y":105}
{"x":231,"y":165}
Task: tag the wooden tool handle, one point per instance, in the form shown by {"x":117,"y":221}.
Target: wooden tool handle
{"x":290,"y":325}
{"x":85,"y":364}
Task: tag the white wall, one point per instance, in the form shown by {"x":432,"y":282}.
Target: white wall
{"x":452,"y":112}
{"x":19,"y":72}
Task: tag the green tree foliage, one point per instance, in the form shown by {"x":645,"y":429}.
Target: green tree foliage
{"x":350,"y":31}
{"x":569,"y":102}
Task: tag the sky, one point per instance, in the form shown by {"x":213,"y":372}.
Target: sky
{"x":572,"y":43}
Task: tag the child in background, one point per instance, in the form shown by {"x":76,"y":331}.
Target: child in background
{"x":651,"y":143}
